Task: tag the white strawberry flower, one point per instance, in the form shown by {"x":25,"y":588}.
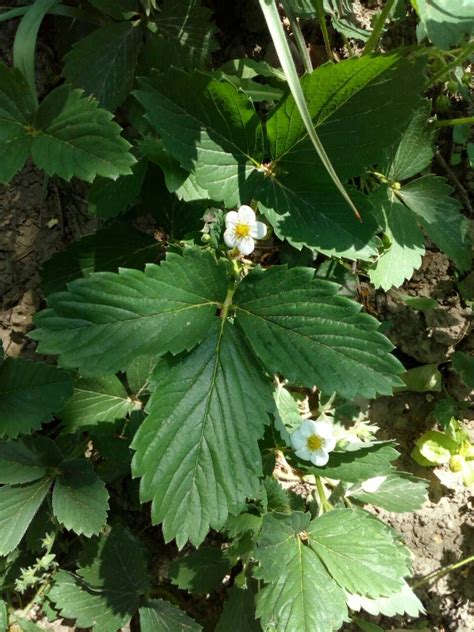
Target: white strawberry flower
{"x":242,"y":229}
{"x":313,"y":441}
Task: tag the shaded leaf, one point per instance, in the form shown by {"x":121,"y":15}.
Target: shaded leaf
{"x":360,"y":462}
{"x":464,"y":365}
{"x":161,"y":616}
{"x":201,"y":571}
{"x":239,"y":614}
{"x":108,"y":198}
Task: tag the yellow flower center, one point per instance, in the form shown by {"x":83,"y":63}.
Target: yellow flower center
{"x":242,"y":230}
{"x":314,"y":442}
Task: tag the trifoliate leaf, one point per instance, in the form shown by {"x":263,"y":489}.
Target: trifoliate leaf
{"x":113,"y":576}
{"x":349,"y":104}
{"x":359,"y":552}
{"x":201,"y":571}
{"x":360,"y":462}
{"x":74,"y":137}
{"x":80,"y":500}
{"x":26,"y":460}
{"x":299,"y":327}
{"x":108,"y":198}
{"x":185,"y":36}
{"x":18,"y":506}
{"x":17,"y":108}
{"x":161,"y":616}
{"x":102,"y":398}
{"x":406,"y":250}
{"x":446,"y":23}
{"x":197,"y":451}
{"x":103,"y":322}
{"x":398,"y":492}
{"x":300,"y":594}
{"x":464,"y":365}
{"x":239,"y":614}
{"x":402,"y":602}
{"x":29,"y":394}
{"x":217,"y":134}
{"x":429,"y":199}
{"x":103,"y":63}
{"x":116,"y":246}
{"x":415,"y":150}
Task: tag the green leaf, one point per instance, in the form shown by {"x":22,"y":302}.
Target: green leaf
{"x":116,"y":246}
{"x":30,"y":392}
{"x":3,"y":616}
{"x":464,"y":365}
{"x":299,"y":595}
{"x":402,"y":602}
{"x":359,"y":552}
{"x":445,"y":22}
{"x":108,"y":198}
{"x":197,"y":451}
{"x":435,"y":448}
{"x":406,"y":250}
{"x":360,"y":462}
{"x":161,"y":616}
{"x":102,"y":398}
{"x":80,"y":500}
{"x":139,"y":373}
{"x":118,"y":9}
{"x":22,"y":461}
{"x":299,"y":327}
{"x":185,"y":36}
{"x":415,"y":150}
{"x":103,"y":63}
{"x":288,"y":416}
{"x":398,"y":492}
{"x":350,"y":100}
{"x":217,"y":134}
{"x":201,"y":571}
{"x":103,"y":322}
{"x":18,"y":506}
{"x":238,"y":614}
{"x":113,"y":577}
{"x":422,"y":379}
{"x":74,"y":137}
{"x":17,"y":108}
{"x":429,"y":198}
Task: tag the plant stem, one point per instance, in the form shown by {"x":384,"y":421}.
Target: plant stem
{"x":325,"y":504}
{"x":374,"y":38}
{"x":324,"y":29}
{"x":300,"y":43}
{"x":464,"y":54}
{"x":442,"y":571}
{"x":467,"y":120}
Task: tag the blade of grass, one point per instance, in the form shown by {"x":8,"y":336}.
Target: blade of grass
{"x":25,"y":41}
{"x":278,"y":36}
{"x":324,"y":29}
{"x":374,"y":38}
{"x":298,"y":33}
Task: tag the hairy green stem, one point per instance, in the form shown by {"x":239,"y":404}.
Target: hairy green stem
{"x":463,"y":55}
{"x":467,"y":120}
{"x":324,"y":29}
{"x":442,"y":571}
{"x":324,"y":503}
{"x":298,"y":34}
{"x":374,"y":38}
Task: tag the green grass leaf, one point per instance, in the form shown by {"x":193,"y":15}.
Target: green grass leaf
{"x":17,"y":108}
{"x":300,"y":594}
{"x":103,"y":322}
{"x":197,"y":450}
{"x":18,"y":507}
{"x":94,"y":400}
{"x":103,"y":63}
{"x":116,"y":246}
{"x":30,"y":392}
{"x":359,"y":552}
{"x":300,"y":328}
{"x":80,"y":500}
{"x":74,"y":137}
{"x":161,"y":616}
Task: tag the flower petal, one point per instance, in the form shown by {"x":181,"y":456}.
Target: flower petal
{"x":245,"y":245}
{"x":307,"y":428}
{"x":230,"y":238}
{"x":246,"y":215}
{"x":259,"y":230}
{"x":231,"y":219}
{"x":330,"y":444}
{"x":298,"y":441}
{"x":323,"y":429}
{"x":319,"y":457}
{"x":304,"y":454}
